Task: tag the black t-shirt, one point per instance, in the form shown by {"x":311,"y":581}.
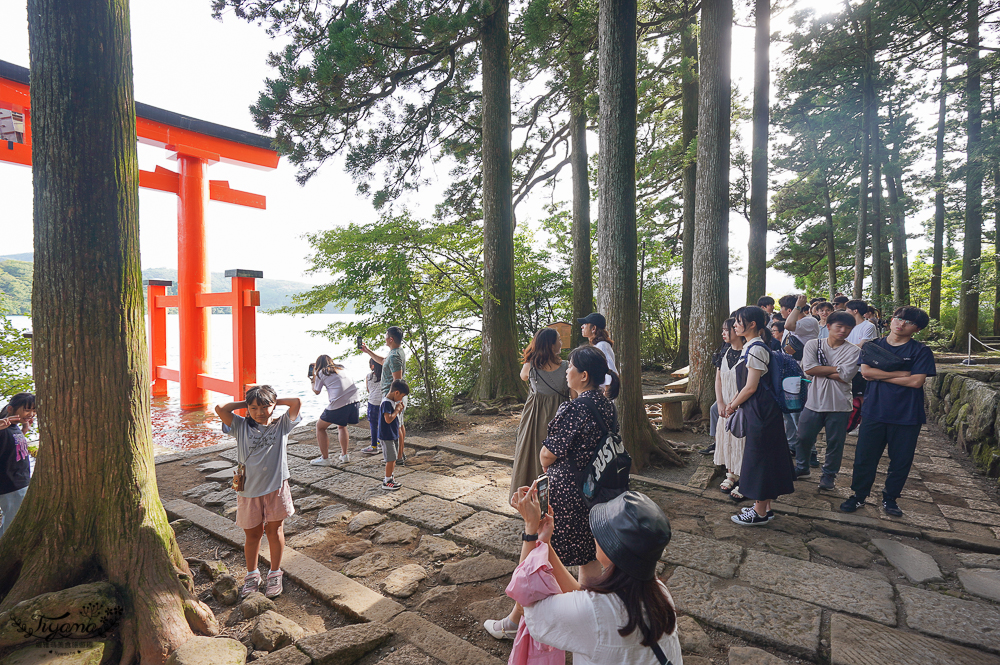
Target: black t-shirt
{"x":899,"y":405}
{"x":15,"y":468}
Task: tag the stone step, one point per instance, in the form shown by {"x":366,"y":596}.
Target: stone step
{"x":966,"y":622}
{"x":858,"y":642}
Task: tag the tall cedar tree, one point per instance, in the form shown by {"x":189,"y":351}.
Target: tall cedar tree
{"x":616,"y":226}
{"x":92,"y":510}
{"x":939,"y":187}
{"x":710,"y":275}
{"x":689,"y":130}
{"x":757,"y":246}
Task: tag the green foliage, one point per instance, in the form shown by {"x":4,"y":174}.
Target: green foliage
{"x":15,"y":370}
{"x":15,"y":285}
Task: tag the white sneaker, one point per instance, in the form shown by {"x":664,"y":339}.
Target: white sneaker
{"x":321,"y":461}
{"x":345,"y":458}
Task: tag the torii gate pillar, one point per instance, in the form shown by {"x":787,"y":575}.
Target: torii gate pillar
{"x":192,"y":279}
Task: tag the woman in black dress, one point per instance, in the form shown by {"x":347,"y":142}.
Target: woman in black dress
{"x":573,"y":437}
{"x":767,"y":471}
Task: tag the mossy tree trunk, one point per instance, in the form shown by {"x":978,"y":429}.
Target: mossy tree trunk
{"x":92,"y":509}
{"x":757,"y":246}
{"x":689,"y":130}
{"x":616,"y":222}
{"x":939,"y":187}
{"x":499,"y":367}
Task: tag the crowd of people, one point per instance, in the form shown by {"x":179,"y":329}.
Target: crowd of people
{"x":863,"y":373}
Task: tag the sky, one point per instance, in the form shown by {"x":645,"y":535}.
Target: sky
{"x":187,"y":62}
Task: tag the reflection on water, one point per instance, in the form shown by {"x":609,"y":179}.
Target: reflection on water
{"x":284,"y":350}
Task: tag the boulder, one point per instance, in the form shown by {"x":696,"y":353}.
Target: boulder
{"x":219,"y":498}
{"x":286,"y":656}
{"x":89,"y":608}
{"x":983,"y":401}
{"x":201,"y":490}
{"x":445,"y":596}
{"x":74,"y":653}
{"x":491,"y":608}
{"x":226,"y":590}
{"x":392,"y":533}
{"x":437,"y":548}
{"x":296,"y":524}
{"x":209,"y":651}
{"x":214,"y":569}
{"x":256,"y":604}
{"x":308,"y":503}
{"x":403,"y":581}
{"x":181,"y":525}
{"x":274,"y":631}
{"x":310,"y":538}
{"x":367,"y":564}
{"x":346,"y":644}
{"x":352,"y":550}
{"x":841,"y":551}
{"x":477,"y":569}
{"x":335,"y":514}
{"x":692,"y":637}
{"x":363,"y":520}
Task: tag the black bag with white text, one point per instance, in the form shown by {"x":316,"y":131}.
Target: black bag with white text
{"x":607,"y":474}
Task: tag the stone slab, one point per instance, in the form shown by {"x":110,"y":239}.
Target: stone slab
{"x":444,"y":487}
{"x":977,"y":560}
{"x":439,"y":643}
{"x":432,"y":513}
{"x":230,"y":455}
{"x":921,"y":520}
{"x":307,"y":475}
{"x":215,"y":465}
{"x":304,"y":450}
{"x":919,"y":567}
{"x":987,"y":545}
{"x":364,"y":491}
{"x":496,"y":533}
{"x":963,"y":491}
{"x":290,"y":655}
{"x":969,"y":515}
{"x":458,"y":449}
{"x":752,"y":656}
{"x":982,"y":582}
{"x":704,"y":554}
{"x":223,"y":475}
{"x":345,"y":644}
{"x":986,"y":505}
{"x":857,"y":642}
{"x":841,"y":551}
{"x":790,"y":625}
{"x":165,"y":458}
{"x":477,"y":569}
{"x":836,"y":589}
{"x":967,"y":622}
{"x":491,"y":498}
{"x":372,"y":466}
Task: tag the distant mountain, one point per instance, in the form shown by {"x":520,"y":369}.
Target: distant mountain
{"x":26,"y":256}
{"x":15,"y":284}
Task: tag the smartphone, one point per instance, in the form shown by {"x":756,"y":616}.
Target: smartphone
{"x":542,"y":485}
{"x":312,"y":369}
{"x":360,"y":342}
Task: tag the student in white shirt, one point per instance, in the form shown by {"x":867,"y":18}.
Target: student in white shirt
{"x":594,"y":328}
{"x":864,"y":330}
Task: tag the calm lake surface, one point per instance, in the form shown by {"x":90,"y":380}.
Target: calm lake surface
{"x":285,"y":348}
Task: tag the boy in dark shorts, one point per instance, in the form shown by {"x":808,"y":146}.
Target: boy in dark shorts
{"x":388,"y":429}
{"x":892,"y":413}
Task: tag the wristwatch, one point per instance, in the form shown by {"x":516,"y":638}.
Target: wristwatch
{"x":529,"y":537}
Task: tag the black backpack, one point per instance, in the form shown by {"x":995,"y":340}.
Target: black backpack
{"x":606,"y":475}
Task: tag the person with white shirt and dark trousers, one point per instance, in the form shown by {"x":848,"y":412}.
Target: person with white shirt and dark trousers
{"x":594,"y":328}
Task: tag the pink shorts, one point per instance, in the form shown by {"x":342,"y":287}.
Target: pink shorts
{"x":273,"y":507}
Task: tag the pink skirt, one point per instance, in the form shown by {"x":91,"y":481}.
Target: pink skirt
{"x":273,"y":507}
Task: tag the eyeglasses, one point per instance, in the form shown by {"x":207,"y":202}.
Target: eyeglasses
{"x":905,"y":322}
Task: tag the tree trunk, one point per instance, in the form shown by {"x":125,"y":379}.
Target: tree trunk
{"x":583,"y":274}
{"x":995,"y":172}
{"x":616,"y":223}
{"x":879,"y":288}
{"x":862,"y":236}
{"x":938,"y":260}
{"x":831,"y":240}
{"x":710,"y":297}
{"x":757,"y":246}
{"x":498,"y":367}
{"x":92,"y":510}
{"x":689,"y":129}
{"x":968,"y":300}
{"x":900,"y":262}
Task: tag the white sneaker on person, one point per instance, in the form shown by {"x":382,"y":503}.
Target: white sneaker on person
{"x":274,"y":587}
{"x":251,"y":583}
{"x":321,"y":461}
{"x":345,"y":458}
{"x":501,"y":628}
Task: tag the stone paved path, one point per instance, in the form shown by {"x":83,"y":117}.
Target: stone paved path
{"x":815,"y":583}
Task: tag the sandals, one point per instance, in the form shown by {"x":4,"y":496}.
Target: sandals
{"x":727,"y":485}
{"x":735,"y":495}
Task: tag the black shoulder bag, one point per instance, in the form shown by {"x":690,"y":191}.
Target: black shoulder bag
{"x":607,"y":474}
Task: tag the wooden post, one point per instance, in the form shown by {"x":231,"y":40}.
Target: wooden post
{"x":157,"y":332}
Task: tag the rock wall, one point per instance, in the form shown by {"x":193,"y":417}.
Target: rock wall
{"x":964,"y":402}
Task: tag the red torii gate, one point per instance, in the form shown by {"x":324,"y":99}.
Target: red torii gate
{"x":195,"y":145}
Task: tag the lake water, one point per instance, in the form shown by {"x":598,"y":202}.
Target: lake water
{"x":285,"y":348}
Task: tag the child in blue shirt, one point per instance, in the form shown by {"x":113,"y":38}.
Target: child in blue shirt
{"x":388,"y":429}
{"x":892,"y":413}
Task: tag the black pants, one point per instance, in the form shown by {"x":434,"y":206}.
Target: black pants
{"x":873,"y":437}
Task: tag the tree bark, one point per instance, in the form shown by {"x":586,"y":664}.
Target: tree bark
{"x":831,"y":240}
{"x":995,"y":172}
{"x":498,"y":367}
{"x":862,"y":236}
{"x":938,"y":252}
{"x":689,"y":130}
{"x":710,"y":297}
{"x":879,"y":288}
{"x":92,"y":510}
{"x":968,"y":300}
{"x":616,"y":221}
{"x":583,"y":284}
{"x":900,"y":262}
{"x":757,"y":246}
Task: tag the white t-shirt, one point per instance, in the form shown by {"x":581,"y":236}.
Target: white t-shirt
{"x":863,"y":332}
{"x":374,"y":389}
{"x":806,"y":328}
{"x":829,"y":395}
{"x":263,"y":450}
{"x":609,"y":353}
{"x":340,"y":390}
{"x":587,"y":623}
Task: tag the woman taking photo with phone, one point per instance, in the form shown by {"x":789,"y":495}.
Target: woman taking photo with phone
{"x":342,"y":411}
{"x":545,"y":372}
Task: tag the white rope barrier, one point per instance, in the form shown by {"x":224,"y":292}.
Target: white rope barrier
{"x":968,"y":358}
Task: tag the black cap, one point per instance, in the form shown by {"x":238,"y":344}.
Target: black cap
{"x":632,"y":531}
{"x":595,"y":318}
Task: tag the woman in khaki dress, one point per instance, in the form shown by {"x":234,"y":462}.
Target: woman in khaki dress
{"x":545,"y":372}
